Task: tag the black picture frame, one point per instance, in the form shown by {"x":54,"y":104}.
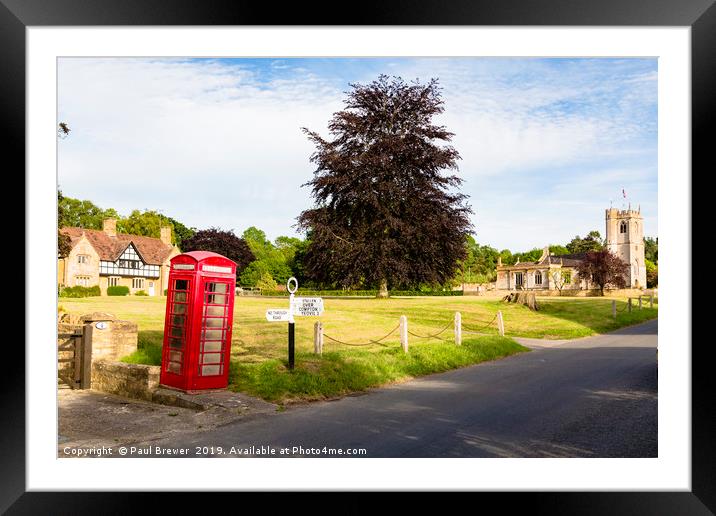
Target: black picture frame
{"x":699,"y":15}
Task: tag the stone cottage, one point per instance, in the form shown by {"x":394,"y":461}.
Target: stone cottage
{"x":107,"y":258}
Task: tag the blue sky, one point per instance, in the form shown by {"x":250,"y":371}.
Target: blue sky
{"x":546,"y":144}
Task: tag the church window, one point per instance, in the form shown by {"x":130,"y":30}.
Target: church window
{"x":538,"y":278}
{"x":623,"y":227}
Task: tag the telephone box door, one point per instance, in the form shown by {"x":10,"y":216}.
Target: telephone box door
{"x":214,"y":333}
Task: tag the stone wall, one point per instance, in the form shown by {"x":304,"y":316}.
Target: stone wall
{"x":111,"y":338}
{"x":129,"y":380}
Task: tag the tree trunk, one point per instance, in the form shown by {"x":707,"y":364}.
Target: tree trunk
{"x":383,"y":292}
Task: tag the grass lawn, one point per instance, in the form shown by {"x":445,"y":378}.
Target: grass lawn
{"x":258,"y":348}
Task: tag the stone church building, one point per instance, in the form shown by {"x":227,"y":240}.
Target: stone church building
{"x":624,"y":238}
{"x":107,"y":258}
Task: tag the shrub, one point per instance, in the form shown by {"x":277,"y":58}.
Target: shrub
{"x":140,"y":293}
{"x":118,"y":290}
{"x":79,"y":291}
{"x":165,"y":291}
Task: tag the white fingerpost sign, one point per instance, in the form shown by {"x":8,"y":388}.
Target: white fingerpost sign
{"x":308,"y":306}
{"x":277,"y":315}
{"x":303,"y":306}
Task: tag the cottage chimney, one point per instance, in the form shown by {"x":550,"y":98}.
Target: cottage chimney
{"x":499,"y":261}
{"x":109,"y":226}
{"x":165,"y":235}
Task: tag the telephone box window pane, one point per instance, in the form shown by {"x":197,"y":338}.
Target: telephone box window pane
{"x":218,"y":322}
{"x":181,"y":284}
{"x":211,"y":358}
{"x":220,"y":288}
{"x":175,"y":356}
{"x":216,"y":299}
{"x":177,"y":320}
{"x":180,"y":297}
{"x":177,"y":332}
{"x":179,"y":309}
{"x":176,"y":343}
{"x":210,"y":370}
{"x":215,"y":311}
{"x":174,"y":367}
{"x":213,"y":335}
{"x":212,"y":346}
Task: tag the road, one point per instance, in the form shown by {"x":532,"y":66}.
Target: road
{"x":591,"y":397}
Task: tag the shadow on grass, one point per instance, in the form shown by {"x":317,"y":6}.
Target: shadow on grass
{"x":588,"y":316}
{"x":339,"y":373}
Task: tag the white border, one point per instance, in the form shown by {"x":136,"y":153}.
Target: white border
{"x":670,"y":471}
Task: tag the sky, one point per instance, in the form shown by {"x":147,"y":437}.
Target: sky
{"x":546,"y":145}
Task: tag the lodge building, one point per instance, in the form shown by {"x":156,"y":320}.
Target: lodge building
{"x":106,"y":258}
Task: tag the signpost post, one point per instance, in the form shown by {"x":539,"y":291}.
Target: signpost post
{"x":291,"y":334}
{"x":301,"y":306}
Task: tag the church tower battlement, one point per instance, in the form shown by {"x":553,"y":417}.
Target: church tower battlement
{"x":625,"y":238}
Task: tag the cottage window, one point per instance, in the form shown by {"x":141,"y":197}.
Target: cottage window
{"x":137,"y":282}
{"x":113,"y":281}
{"x":83,"y":258}
{"x":538,"y":278}
{"x":518,"y":279}
{"x":82,"y":281}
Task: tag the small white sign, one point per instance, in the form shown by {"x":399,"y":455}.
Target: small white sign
{"x":277,"y":315}
{"x":101,"y":325}
{"x":308,"y":306}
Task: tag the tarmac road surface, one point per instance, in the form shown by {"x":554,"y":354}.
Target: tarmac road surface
{"x":591,"y":397}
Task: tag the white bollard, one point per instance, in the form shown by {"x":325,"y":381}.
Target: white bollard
{"x":614,"y":308}
{"x":639,"y":302}
{"x":318,"y":338}
{"x":458,"y":328}
{"x":404,"y":333}
{"x":500,"y":324}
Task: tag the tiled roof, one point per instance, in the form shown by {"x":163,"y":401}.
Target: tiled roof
{"x":570,"y":260}
{"x":152,"y":250}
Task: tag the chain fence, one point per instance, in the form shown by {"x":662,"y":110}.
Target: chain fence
{"x":478,"y":331}
{"x":376,"y":341}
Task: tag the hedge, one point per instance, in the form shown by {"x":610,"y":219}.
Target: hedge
{"x":79,"y":291}
{"x":118,"y":290}
{"x":140,"y":293}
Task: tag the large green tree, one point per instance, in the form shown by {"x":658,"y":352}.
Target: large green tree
{"x":269,"y":257}
{"x":592,"y":242}
{"x":83,"y":214}
{"x":651,"y":249}
{"x":387,"y":214}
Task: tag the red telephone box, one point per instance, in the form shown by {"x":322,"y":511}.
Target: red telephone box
{"x":197,"y":326}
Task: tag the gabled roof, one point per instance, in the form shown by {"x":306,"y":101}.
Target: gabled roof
{"x":152,"y":250}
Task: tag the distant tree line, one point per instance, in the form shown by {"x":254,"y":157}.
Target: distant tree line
{"x":268,"y":264}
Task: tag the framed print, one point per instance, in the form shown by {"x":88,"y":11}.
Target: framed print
{"x":216,"y":203}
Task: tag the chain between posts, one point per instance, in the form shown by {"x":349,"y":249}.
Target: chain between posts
{"x":480,"y":329}
{"x":431,"y":336}
{"x":376,"y":341}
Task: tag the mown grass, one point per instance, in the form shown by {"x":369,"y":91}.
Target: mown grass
{"x":259,"y":348}
{"x":339,"y":373}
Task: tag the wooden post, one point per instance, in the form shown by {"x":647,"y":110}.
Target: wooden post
{"x":404,"y":333}
{"x":639,"y":302}
{"x":500,"y":324}
{"x":318,"y":338}
{"x":458,"y":328}
{"x":629,"y":305}
{"x":614,"y":308}
{"x":86,"y":344}
{"x":651,"y":301}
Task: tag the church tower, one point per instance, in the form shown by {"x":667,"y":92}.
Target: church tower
{"x":625,"y":238}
